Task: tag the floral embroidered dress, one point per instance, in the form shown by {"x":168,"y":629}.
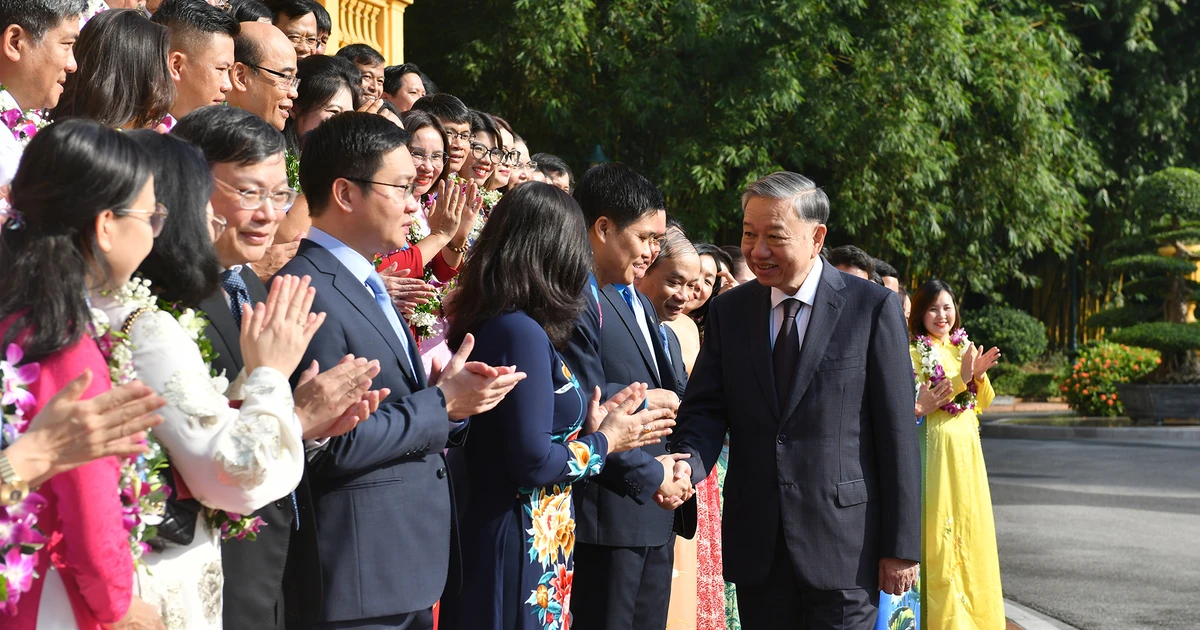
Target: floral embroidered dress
{"x":236,"y":460}
{"x":518,"y":528}
{"x":960,"y":567}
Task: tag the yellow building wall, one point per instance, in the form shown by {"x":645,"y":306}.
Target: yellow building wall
{"x":377,"y":23}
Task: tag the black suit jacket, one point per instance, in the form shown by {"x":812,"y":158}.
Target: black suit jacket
{"x":380,"y":493}
{"x":602,"y":516}
{"x":254,"y":570}
{"x":839,"y":464}
{"x":678,"y":368}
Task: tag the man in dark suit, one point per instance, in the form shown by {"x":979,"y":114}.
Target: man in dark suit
{"x":245,"y":155}
{"x":667,"y":285}
{"x":808,"y":370}
{"x":625,"y":545}
{"x":380,"y":493}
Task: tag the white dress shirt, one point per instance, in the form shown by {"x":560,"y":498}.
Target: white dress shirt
{"x":807,"y":296}
{"x":639,"y":314}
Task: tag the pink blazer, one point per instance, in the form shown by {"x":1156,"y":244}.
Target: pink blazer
{"x":82,"y":518}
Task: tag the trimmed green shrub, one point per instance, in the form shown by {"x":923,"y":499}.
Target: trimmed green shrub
{"x":1020,"y":336}
{"x":1128,"y":315}
{"x":1162,"y":336}
{"x":1091,"y":386}
{"x":1171,"y":191}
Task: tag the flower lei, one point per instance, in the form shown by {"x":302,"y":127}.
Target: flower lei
{"x":143,"y":488}
{"x":933,"y":372}
{"x":24,"y":124}
{"x":291,"y":160}
{"x":20,"y":537}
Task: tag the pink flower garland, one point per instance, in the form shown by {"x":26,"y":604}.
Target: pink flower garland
{"x":934,"y":373}
{"x":19,"y":535}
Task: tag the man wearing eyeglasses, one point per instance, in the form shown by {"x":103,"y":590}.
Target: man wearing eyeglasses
{"x":298,"y":22}
{"x":250,"y":193}
{"x":264,"y":73}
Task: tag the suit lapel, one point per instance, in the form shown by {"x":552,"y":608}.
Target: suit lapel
{"x":220,"y":320}
{"x":618,"y":305}
{"x":254,"y":286}
{"x":826,"y":311}
{"x":666,"y":370}
{"x":359,"y":296}
{"x":676,"y":351}
{"x":758,"y":316}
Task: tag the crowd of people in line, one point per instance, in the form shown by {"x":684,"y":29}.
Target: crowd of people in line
{"x":297,"y":340}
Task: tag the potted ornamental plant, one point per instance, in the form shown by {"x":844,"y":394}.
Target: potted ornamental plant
{"x":1159,"y":297}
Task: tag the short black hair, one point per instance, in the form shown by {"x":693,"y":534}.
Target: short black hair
{"x":361,"y":54}
{"x":445,"y":107}
{"x":250,"y":11}
{"x":615,"y":191}
{"x":851,"y":256}
{"x":188,"y":20}
{"x":735,"y":256}
{"x":321,"y":78}
{"x":393,"y":74}
{"x":38,"y":17}
{"x":324,"y":22}
{"x":350,"y":144}
{"x":230,"y":135}
{"x":183,"y":266}
{"x":885,"y":270}
{"x":122,"y":76}
{"x":291,"y":8}
{"x":555,"y":166}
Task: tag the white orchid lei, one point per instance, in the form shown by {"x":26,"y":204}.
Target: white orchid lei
{"x":144,"y":490}
{"x":427,"y":319}
{"x":20,"y":537}
{"x":24,"y":124}
{"x":933,"y":373}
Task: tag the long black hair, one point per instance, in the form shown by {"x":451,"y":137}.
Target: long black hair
{"x":123,"y":76}
{"x":723,"y":260}
{"x":925,"y":297}
{"x":533,"y":256}
{"x":183,"y":266}
{"x":321,"y":78}
{"x":70,"y":173}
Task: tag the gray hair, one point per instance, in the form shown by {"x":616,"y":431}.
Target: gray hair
{"x":810,"y":202}
{"x":37,"y":17}
{"x":675,"y":245}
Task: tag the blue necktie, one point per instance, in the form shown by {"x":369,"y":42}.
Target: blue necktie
{"x":384,"y":300}
{"x":235,"y":288}
{"x":662,"y":332}
{"x":628,"y":295}
{"x":596,"y":296}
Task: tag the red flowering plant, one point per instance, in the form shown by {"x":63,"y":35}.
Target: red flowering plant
{"x":1091,"y":386}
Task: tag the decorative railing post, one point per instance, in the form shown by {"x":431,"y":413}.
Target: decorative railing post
{"x":377,"y":23}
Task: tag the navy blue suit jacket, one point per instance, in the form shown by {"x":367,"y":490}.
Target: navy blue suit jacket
{"x":380,"y":493}
{"x":628,"y":519}
{"x":838,"y":465}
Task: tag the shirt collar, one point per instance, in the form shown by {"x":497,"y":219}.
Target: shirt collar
{"x":808,"y":289}
{"x":359,"y":266}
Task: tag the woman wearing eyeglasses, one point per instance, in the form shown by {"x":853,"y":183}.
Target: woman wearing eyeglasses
{"x":508,"y":159}
{"x":85,"y":200}
{"x":220,"y":462}
{"x":484,"y":152}
{"x":523,"y":167}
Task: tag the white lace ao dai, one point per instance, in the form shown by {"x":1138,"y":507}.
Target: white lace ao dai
{"x":236,"y":460}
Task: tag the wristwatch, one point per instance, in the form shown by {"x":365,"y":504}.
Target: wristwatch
{"x":13,"y":489}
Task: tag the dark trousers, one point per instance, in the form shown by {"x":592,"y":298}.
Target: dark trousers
{"x":781,"y":602}
{"x":619,"y":588}
{"x":419,"y":620}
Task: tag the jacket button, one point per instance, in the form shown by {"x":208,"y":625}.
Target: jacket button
{"x":781,"y":439}
{"x":279,"y":503}
{"x":441,"y":473}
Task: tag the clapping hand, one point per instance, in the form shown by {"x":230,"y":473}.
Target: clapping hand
{"x":975,"y":365}
{"x":929,"y":399}
{"x":407,"y":293}
{"x":472,"y":387}
{"x":676,"y":488}
{"x":333,"y":402}
{"x":446,"y":214}
{"x":472,"y":203}
{"x":623,"y":426}
{"x":277,"y":333}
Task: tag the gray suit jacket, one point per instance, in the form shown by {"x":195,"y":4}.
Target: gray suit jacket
{"x":839,"y":465}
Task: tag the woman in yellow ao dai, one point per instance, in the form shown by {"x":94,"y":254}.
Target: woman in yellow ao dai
{"x":960,"y":567}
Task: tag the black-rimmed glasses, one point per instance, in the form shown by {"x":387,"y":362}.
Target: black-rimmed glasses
{"x":405,"y":190}
{"x":290,"y":82}
{"x":478,"y":150}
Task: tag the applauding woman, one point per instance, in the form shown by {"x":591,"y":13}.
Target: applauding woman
{"x":960,"y":568}
{"x":84,"y":203}
{"x":518,"y":531}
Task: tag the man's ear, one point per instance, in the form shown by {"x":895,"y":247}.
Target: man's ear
{"x":13,"y":38}
{"x":603,"y":229}
{"x":239,"y":76}
{"x":819,"y":234}
{"x":175,"y":60}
